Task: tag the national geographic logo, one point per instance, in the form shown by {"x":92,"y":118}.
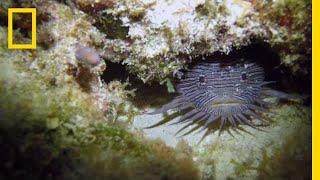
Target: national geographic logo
{"x":33,"y":44}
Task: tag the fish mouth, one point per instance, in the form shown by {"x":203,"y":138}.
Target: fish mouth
{"x":226,"y":103}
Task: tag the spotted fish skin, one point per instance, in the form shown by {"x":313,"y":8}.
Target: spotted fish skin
{"x":211,"y":91}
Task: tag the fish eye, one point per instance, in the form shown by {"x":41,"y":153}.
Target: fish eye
{"x":201,"y":79}
{"x":244,"y":76}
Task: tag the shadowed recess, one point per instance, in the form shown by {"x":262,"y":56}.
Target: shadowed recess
{"x":229,"y":91}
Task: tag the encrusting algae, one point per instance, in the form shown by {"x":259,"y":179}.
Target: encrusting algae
{"x":62,"y":118}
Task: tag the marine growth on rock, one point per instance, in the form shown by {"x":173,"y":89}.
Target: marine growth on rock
{"x":212,"y":92}
{"x":87,"y":55}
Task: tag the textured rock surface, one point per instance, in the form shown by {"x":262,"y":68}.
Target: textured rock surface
{"x":168,"y":34}
{"x":57,"y":107}
{"x":60,"y":120}
{"x":282,"y":151}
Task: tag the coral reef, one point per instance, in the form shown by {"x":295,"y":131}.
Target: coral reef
{"x":264,"y":155}
{"x":53,"y":133}
{"x":186,"y":29}
{"x":190,"y":29}
{"x":156,"y":47}
{"x":56,"y":131}
{"x":282,"y":150}
{"x":60,"y":118}
{"x":289,"y":22}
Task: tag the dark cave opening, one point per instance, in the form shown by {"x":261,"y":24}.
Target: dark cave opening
{"x":155,"y":95}
{"x":115,"y":71}
{"x":262,"y":54}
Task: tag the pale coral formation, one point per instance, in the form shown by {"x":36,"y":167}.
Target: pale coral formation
{"x":263,"y":155}
{"x":59,"y":120}
{"x":64,"y":115}
{"x":169,"y":34}
{"x":289,"y":23}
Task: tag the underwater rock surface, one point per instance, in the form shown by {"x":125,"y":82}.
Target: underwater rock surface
{"x":281,"y":151}
{"x":77,"y":113}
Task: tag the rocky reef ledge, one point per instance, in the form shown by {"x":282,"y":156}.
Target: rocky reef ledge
{"x":75,"y":107}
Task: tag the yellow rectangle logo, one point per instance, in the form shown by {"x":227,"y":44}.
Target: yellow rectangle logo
{"x":33,"y":44}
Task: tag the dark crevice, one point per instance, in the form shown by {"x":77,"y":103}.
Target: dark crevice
{"x":262,"y":54}
{"x":112,"y":26}
{"x":22,"y":22}
{"x":155,"y":95}
{"x":146,"y":94}
{"x":115,"y":71}
{"x":109,"y":24}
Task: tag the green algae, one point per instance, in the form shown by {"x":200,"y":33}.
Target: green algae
{"x":292,"y":159}
{"x":169,"y":85}
{"x":51,"y":121}
{"x":111,"y":26}
{"x":137,"y":14}
{"x":282,"y":152}
{"x":211,"y":10}
{"x":53,"y":128}
{"x":291,"y":37}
